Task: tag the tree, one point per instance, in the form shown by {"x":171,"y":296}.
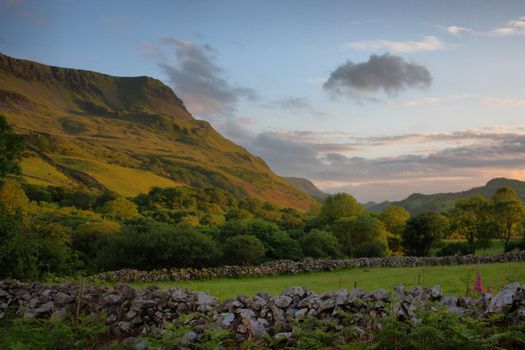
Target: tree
{"x":321,"y":244}
{"x":11,"y":148}
{"x":352,"y":233}
{"x":120,"y":208}
{"x":394,"y":218}
{"x":338,"y":206}
{"x":471,"y":219}
{"x":422,"y":231}
{"x":243,"y":250}
{"x":509,"y":213}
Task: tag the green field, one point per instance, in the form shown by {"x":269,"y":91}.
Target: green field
{"x":452,"y":279}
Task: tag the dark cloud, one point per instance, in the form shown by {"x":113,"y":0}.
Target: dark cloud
{"x":389,"y":73}
{"x":461,"y":167}
{"x":200,"y":81}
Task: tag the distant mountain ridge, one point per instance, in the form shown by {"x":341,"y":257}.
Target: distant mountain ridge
{"x":307,"y":186}
{"x":125,"y":134}
{"x":417,"y":203}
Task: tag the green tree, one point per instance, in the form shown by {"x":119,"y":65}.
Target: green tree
{"x":471,"y":218}
{"x":120,"y":208}
{"x":243,"y":250}
{"x":11,"y":148}
{"x":508,"y":214}
{"x":339,"y":206}
{"x":394,"y":218}
{"x":321,"y":244}
{"x":422,"y":231}
{"x":352,"y":233}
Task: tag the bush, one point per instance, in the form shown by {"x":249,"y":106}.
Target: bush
{"x":148,"y":245}
{"x":456,"y":248}
{"x":515,"y":245}
{"x":243,"y":250}
{"x":321,"y":244}
{"x":371,"y":249}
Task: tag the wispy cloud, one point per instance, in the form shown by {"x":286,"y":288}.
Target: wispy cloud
{"x":458,"y":31}
{"x":198,"y":79}
{"x":427,"y":43}
{"x":422,"y":101}
{"x":491,"y":101}
{"x":511,"y":28}
{"x":515,"y":27}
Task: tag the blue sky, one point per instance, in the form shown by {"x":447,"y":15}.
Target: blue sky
{"x":376,"y":98}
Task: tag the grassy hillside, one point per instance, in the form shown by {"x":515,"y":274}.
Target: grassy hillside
{"x":125,"y":134}
{"x":417,"y":203}
{"x":307,"y":186}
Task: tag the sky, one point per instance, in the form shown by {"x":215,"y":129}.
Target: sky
{"x":379,"y":99}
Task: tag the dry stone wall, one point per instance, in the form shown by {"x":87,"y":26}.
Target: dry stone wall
{"x":281,"y":267}
{"x":129,"y":312}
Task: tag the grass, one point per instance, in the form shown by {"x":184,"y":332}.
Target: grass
{"x":126,"y":181}
{"x":37,"y":171}
{"x":452,"y":279}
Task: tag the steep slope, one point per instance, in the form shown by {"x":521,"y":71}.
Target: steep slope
{"x":125,"y":134}
{"x":307,"y":186}
{"x":417,"y":203}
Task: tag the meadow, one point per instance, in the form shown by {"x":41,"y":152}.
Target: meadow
{"x":452,"y":279}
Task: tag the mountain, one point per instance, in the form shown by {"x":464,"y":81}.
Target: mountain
{"x":417,"y":203}
{"x":125,"y":134}
{"x":307,"y":186}
{"x":376,"y":207}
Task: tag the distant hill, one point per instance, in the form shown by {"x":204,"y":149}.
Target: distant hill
{"x":376,"y":207}
{"x":417,"y":203}
{"x":307,"y":186}
{"x":125,"y":134}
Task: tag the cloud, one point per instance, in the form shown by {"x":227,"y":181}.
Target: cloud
{"x":389,"y":73}
{"x":511,"y":28}
{"x":497,"y":102}
{"x":295,"y":105}
{"x":458,"y":31}
{"x":427,"y":43}
{"x":422,"y":101}
{"x":197,"y":78}
{"x":514,"y":27}
{"x":466,"y":158}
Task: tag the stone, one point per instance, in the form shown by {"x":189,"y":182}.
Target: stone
{"x":326,"y":305}
{"x":435,"y":292}
{"x":283,"y":335}
{"x":504,"y":299}
{"x":380,"y":294}
{"x":227,"y":319}
{"x":301,"y":313}
{"x":63,"y":298}
{"x":135,"y":343}
{"x":205,"y":299}
{"x":281,"y":301}
{"x":126,"y":291}
{"x":42,"y":309}
{"x":113,"y":299}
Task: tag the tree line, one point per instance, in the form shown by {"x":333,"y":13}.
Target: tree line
{"x":51,"y":230}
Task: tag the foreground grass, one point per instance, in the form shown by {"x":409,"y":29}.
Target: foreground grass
{"x":452,"y":279}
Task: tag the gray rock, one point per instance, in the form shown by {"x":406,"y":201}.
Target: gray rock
{"x":504,"y":299}
{"x":326,"y":305}
{"x":113,"y":299}
{"x":435,"y":292}
{"x":283,"y":335}
{"x":380,"y":294}
{"x":301,"y":313}
{"x":42,"y":309}
{"x":281,"y":301}
{"x":205,"y":299}
{"x":63,"y":298}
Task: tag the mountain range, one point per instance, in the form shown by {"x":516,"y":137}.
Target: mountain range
{"x":417,"y":203}
{"x":125,"y":134}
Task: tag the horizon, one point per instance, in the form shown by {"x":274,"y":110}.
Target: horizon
{"x":376,"y":101}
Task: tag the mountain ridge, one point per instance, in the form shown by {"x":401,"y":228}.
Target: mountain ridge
{"x":126,"y":133}
{"x":417,"y":203}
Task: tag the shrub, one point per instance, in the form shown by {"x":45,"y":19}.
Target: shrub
{"x":515,"y":245}
{"x":456,"y":248}
{"x":243,"y":250}
{"x":373,"y":248}
{"x":321,"y":244}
